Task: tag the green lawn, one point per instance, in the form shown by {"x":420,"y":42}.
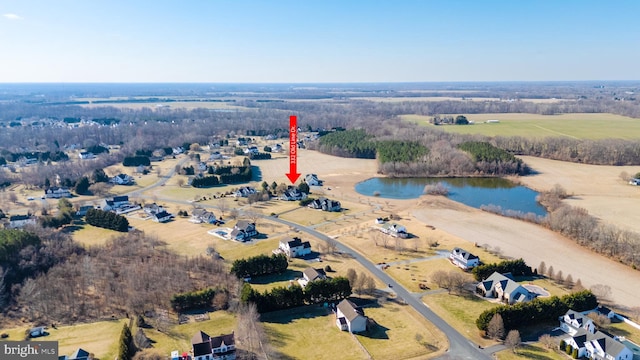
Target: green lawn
{"x":400,"y":333}
{"x":531,"y":351}
{"x":461,"y":313}
{"x":309,"y":333}
{"x":179,"y":337}
{"x":582,"y":126}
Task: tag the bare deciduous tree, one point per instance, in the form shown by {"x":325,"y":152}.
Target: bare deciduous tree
{"x":513,"y":340}
{"x":602,"y":292}
{"x":495,"y":329}
{"x":352,"y":276}
{"x":223,"y":206}
{"x":542,"y":268}
{"x":600,"y":320}
{"x":332,"y":245}
{"x":250,"y":333}
{"x":548,"y":341}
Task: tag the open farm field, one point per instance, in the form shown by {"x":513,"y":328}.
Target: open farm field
{"x":597,"y":188}
{"x":577,"y":126}
{"x":424,"y":99}
{"x":160,"y":106}
{"x":533,"y":243}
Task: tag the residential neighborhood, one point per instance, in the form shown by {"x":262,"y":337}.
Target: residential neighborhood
{"x":189,"y":239}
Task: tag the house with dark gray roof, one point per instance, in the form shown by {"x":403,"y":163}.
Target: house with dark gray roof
{"x":350,"y":317}
{"x":504,"y":288}
{"x":597,"y":346}
{"x":572,"y":321}
{"x":79,"y":354}
{"x":221,"y":347}
{"x":294,"y":247}
{"x":463,"y":259}
{"x":243,"y":231}
{"x":325,"y":204}
{"x":20,"y":221}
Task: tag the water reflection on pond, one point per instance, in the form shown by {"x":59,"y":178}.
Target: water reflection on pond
{"x":474,"y":192}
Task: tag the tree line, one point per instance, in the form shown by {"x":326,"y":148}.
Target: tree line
{"x":537,"y":310}
{"x":516,"y":267}
{"x":260,"y":265}
{"x":198,"y":299}
{"x":279,"y":298}
{"x":107,"y":220}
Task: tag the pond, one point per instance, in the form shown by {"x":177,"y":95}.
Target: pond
{"x":474,"y":192}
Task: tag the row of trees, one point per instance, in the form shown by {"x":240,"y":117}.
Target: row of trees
{"x":198,"y":299}
{"x":107,"y":220}
{"x":538,"y":310}
{"x":516,"y":267}
{"x":260,"y":265}
{"x":319,"y":291}
{"x":136,"y":161}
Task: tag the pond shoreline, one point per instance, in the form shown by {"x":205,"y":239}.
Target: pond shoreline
{"x":472,"y":191}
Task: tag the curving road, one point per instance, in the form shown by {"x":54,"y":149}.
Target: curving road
{"x":459,"y":346}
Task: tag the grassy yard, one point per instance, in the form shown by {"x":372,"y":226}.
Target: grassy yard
{"x":306,"y":216}
{"x":461,"y":313}
{"x":411,"y":275}
{"x":99,"y":338}
{"x":294,"y":333}
{"x":581,"y":126}
{"x":179,"y":337}
{"x":400,"y":333}
{"x":89,"y":235}
{"x":531,"y":351}
{"x":628,"y":331}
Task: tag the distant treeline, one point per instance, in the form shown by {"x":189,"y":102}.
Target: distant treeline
{"x":414,"y":158}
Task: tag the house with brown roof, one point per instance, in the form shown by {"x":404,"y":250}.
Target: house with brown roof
{"x":310,"y":274}
{"x":221,"y":347}
{"x":350,"y":317}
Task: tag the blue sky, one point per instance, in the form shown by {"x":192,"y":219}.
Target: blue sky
{"x":318,"y":41}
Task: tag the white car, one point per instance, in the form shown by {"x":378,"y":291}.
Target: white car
{"x":30,"y":198}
